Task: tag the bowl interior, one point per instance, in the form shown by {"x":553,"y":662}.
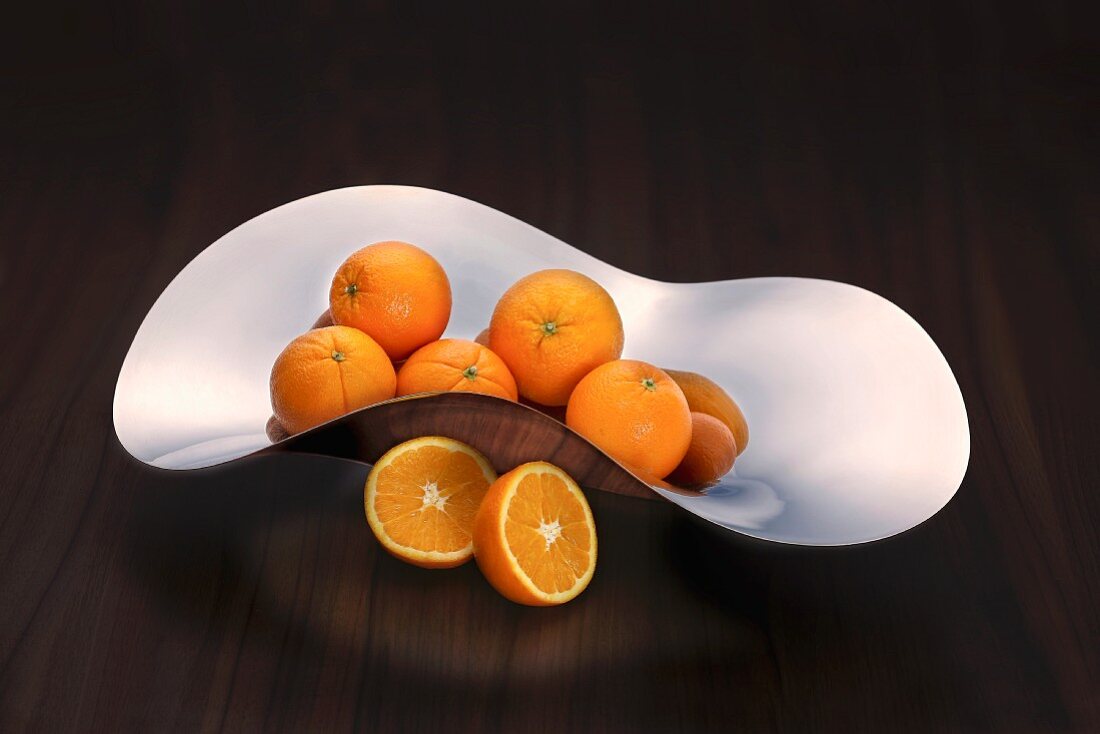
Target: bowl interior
{"x":858,"y":428}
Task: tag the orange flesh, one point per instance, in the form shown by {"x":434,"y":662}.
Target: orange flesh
{"x":547,"y":532}
{"x":427,"y":499}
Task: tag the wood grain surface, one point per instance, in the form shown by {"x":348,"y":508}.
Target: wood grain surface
{"x":943,"y":155}
{"x":506,"y":432}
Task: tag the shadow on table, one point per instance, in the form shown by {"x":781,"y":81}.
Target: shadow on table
{"x":281,"y":543}
{"x":272,"y":559}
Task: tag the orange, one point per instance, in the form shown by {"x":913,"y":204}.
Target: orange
{"x":710,"y":454}
{"x":635,"y":413}
{"x":421,"y":498}
{"x":552,"y":328}
{"x":482,"y":337}
{"x":706,"y":396}
{"x":396,"y":293}
{"x":534,"y":536}
{"x":326,"y":373}
{"x":456,"y":365}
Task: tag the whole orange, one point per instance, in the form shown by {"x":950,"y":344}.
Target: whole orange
{"x":394,"y":292}
{"x":326,"y":373}
{"x":552,"y":328}
{"x":704,"y":395}
{"x":634,"y":412}
{"x":709,"y":456}
{"x":456,"y":365}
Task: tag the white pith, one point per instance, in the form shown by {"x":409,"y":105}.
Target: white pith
{"x":550,"y":531}
{"x":432,"y":497}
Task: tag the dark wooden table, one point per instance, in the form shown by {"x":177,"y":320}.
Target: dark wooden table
{"x":945,"y":157}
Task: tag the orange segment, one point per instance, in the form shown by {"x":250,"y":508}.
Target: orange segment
{"x":534,"y":536}
{"x":422,"y":496}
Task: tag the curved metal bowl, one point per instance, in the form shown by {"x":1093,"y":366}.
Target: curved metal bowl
{"x":859,"y":430}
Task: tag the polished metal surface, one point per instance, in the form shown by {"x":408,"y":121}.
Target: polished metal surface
{"x":859,"y":431}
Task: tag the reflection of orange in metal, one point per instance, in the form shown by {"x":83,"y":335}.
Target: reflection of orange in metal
{"x":704,"y":395}
{"x":710,"y":455}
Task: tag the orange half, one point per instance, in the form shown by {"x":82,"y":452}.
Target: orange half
{"x":534,"y":536}
{"x":421,"y":498}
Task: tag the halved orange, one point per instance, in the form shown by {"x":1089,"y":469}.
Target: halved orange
{"x":421,"y":498}
{"x":534,"y":536}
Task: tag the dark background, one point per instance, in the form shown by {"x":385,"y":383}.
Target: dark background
{"x":943,"y":155}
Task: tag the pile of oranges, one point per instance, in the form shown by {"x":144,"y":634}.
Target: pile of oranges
{"x":554,"y":341}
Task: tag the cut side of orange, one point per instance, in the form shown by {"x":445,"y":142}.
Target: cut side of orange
{"x":534,"y":536}
{"x":422,"y":497}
